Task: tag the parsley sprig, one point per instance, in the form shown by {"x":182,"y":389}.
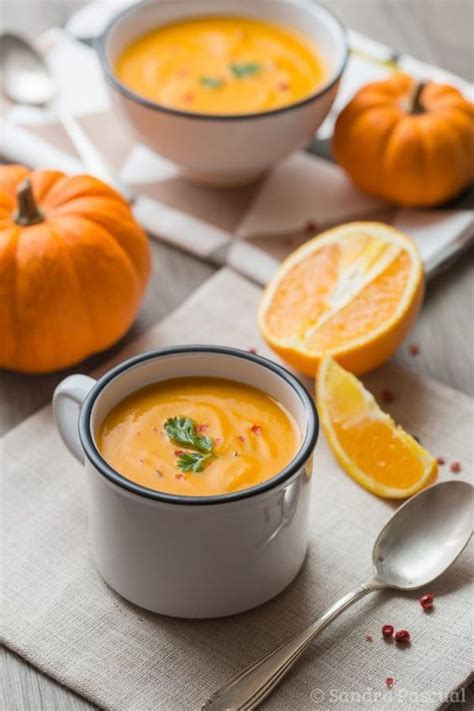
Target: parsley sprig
{"x":183,"y":431}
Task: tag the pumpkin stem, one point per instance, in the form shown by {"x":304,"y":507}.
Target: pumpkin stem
{"x":414,"y":105}
{"x":28,"y":212}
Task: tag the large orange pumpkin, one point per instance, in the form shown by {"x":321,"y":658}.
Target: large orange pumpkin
{"x":409,"y":143}
{"x":74,"y":265}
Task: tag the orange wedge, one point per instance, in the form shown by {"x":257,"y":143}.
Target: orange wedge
{"x":366,"y":442}
{"x":352,"y":292}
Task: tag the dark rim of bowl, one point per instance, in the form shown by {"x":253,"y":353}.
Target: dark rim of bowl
{"x":303,"y":454}
{"x":117,"y":84}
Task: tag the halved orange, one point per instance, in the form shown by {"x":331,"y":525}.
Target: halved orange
{"x":352,"y":292}
{"x":366,"y":442}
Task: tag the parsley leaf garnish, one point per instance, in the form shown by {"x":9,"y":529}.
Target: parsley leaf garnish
{"x":192,"y":461}
{"x":211,"y":82}
{"x":182,"y":431}
{"x":242,"y":69}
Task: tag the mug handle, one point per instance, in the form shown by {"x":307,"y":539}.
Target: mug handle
{"x":67,"y":400}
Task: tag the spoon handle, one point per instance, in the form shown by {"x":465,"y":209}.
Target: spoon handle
{"x":248,"y":689}
{"x":94,"y":162}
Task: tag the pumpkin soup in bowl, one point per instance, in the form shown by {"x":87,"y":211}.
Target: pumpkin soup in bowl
{"x":221,"y":65}
{"x":224,"y":90}
{"x":198,"y":436}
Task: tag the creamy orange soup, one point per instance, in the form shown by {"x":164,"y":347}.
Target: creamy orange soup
{"x":221,"y":65}
{"x":198,"y":437}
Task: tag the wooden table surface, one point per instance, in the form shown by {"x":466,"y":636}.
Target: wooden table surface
{"x":437,"y":31}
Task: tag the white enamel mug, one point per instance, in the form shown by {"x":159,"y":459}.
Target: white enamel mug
{"x":188,"y":556}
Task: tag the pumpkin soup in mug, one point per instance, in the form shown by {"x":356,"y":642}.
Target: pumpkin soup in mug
{"x":221,"y":65}
{"x":198,"y":436}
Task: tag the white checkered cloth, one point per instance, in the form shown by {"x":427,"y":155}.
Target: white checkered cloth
{"x":249,"y":229}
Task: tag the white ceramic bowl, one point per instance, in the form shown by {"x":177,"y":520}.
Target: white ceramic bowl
{"x":189,"y":556}
{"x":230,"y":149}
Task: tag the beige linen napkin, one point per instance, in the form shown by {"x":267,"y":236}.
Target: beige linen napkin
{"x":61,"y":616}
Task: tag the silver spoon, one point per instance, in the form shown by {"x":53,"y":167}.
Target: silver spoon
{"x":26,"y":79}
{"x":421,"y":540}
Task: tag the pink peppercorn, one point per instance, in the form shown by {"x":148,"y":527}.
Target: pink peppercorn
{"x":387,"y":396}
{"x":388,"y":630}
{"x":456,"y":467}
{"x":402,"y":637}
{"x":426,"y":601}
{"x":389,"y":682}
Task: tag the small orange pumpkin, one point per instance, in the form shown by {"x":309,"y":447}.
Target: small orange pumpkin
{"x":409,"y":143}
{"x":74,"y":265}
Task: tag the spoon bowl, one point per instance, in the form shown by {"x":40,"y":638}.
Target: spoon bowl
{"x":419,"y":543}
{"x":27,"y":80}
{"x":25,"y":75}
{"x":425,"y":536}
